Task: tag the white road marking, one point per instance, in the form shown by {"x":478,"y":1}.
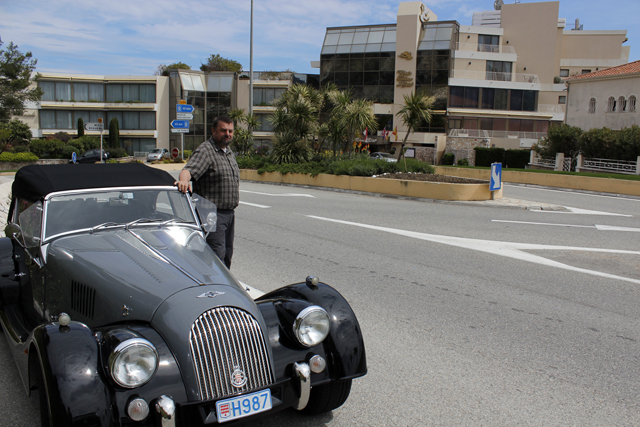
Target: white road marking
{"x":574,"y":192}
{"x":506,"y":249}
{"x":578,"y":211}
{"x":255,"y":205}
{"x":596,"y":226}
{"x":279,"y":195}
{"x":543,"y":223}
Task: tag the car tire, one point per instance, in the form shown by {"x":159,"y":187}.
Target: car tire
{"x":327,"y":397}
{"x":43,"y":399}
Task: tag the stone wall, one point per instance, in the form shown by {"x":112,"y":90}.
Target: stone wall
{"x":462,"y":147}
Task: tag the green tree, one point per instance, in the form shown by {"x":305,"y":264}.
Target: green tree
{"x":560,"y":139}
{"x":163,"y":70}
{"x":218,"y":63}
{"x":417,"y":109}
{"x":355,"y":117}
{"x":236,"y":115}
{"x":80,"y":127}
{"x":14,"y":133}
{"x":114,"y":133}
{"x":15,"y":78}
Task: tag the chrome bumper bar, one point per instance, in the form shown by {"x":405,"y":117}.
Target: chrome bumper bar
{"x":167,"y":410}
{"x":303,"y":374}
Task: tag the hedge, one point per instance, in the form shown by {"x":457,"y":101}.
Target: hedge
{"x":517,"y":159}
{"x":17,"y":157}
{"x":486,"y":156}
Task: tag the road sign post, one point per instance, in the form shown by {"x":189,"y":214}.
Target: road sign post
{"x":95,"y":127}
{"x":495,"y":181}
{"x":183,"y":115}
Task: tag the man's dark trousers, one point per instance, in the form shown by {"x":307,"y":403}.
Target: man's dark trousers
{"x":221,"y":240}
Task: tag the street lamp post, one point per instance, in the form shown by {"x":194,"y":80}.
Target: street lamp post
{"x":251,"y":65}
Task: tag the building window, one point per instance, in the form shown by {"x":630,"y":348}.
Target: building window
{"x":464,"y":97}
{"x":564,"y":72}
{"x":622,"y":105}
{"x":632,"y":104}
{"x":586,"y":71}
{"x":611,"y":104}
{"x":487,"y":43}
{"x":592,"y":106}
{"x":499,"y":70}
{"x":562,"y":99}
{"x":266,"y":96}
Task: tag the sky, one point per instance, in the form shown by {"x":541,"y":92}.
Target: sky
{"x":133,"y":37}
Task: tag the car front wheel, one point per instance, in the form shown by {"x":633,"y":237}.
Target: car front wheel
{"x":43,"y":400}
{"x":327,"y":397}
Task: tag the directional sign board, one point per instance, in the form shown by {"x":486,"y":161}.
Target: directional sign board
{"x":184,"y":116}
{"x":495,"y":183}
{"x":184,"y":108}
{"x":180,"y":130}
{"x":97,"y":127}
{"x":180,"y":124}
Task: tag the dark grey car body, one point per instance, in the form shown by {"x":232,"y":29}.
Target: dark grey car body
{"x":72,"y":297}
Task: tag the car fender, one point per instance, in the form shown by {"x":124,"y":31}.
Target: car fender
{"x":75,"y":388}
{"x":344,"y":346}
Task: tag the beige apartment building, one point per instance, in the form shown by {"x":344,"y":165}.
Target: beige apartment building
{"x":140,"y":103}
{"x":498,"y":82}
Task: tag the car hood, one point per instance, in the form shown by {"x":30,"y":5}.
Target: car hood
{"x":112,"y":276}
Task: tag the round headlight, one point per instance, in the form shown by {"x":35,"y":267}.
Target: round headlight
{"x":311,"y":326}
{"x":133,"y":362}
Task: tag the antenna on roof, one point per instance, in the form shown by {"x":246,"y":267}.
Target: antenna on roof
{"x":497,"y":4}
{"x":578,"y":27}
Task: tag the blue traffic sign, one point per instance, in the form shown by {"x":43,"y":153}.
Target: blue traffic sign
{"x":495,"y":183}
{"x":180,"y":124}
{"x":184,"y":108}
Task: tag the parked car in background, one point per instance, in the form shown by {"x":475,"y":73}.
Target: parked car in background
{"x":384,"y":156}
{"x":118,"y":313}
{"x":158,"y":154}
{"x":92,"y":156}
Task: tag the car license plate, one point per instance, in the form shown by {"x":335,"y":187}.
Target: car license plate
{"x":243,"y":406}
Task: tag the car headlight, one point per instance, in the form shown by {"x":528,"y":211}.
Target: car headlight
{"x":311,"y":326}
{"x":133,"y":362}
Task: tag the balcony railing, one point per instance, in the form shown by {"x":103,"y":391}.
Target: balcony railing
{"x":476,"y":133}
{"x":491,"y":48}
{"x":549,"y":108}
{"x":493,"y":75}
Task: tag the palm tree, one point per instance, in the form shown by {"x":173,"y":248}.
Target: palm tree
{"x":417,"y":108}
{"x":237,"y":114}
{"x":357,"y":116}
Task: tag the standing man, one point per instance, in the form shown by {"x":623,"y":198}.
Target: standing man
{"x":216,"y":176}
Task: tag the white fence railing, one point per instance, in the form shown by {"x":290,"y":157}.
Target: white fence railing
{"x":585,"y":165}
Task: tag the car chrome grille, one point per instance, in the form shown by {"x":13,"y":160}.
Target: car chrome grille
{"x":227,"y":347}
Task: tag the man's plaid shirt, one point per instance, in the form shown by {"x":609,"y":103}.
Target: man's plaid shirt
{"x":215,"y":174}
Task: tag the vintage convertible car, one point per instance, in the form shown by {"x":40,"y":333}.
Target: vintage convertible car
{"x":118,"y":313}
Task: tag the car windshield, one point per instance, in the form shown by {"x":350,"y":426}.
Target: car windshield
{"x":384,"y":155}
{"x":88,"y":209}
{"x":156,"y":150}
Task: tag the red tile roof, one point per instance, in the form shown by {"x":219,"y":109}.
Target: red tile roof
{"x":630,"y":68}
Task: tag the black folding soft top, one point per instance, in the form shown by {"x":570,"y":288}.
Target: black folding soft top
{"x":33,"y":182}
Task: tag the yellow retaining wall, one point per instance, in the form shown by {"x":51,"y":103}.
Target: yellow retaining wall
{"x":427,"y":190}
{"x":605,"y":185}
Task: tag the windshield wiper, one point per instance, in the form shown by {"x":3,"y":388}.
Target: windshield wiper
{"x":103,"y":225}
{"x":129,"y":224}
{"x":176,"y":221}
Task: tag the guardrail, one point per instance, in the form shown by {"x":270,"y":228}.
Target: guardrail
{"x":495,"y":76}
{"x":491,"y":48}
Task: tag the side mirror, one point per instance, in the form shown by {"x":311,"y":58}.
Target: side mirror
{"x":13,"y":231}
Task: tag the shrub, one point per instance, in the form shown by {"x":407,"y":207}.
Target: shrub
{"x":61,"y":136}
{"x":463,"y":162}
{"x":47,"y":148}
{"x":115,"y":153}
{"x":20,"y":149}
{"x":518,"y":159}
{"x":80,"y":127}
{"x":17,"y":157}
{"x":187,"y":153}
{"x":486,"y":156}
{"x":114,"y":133}
{"x":86,"y":142}
{"x":448,"y":158}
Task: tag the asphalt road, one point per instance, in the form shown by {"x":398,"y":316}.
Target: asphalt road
{"x":473,"y":314}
